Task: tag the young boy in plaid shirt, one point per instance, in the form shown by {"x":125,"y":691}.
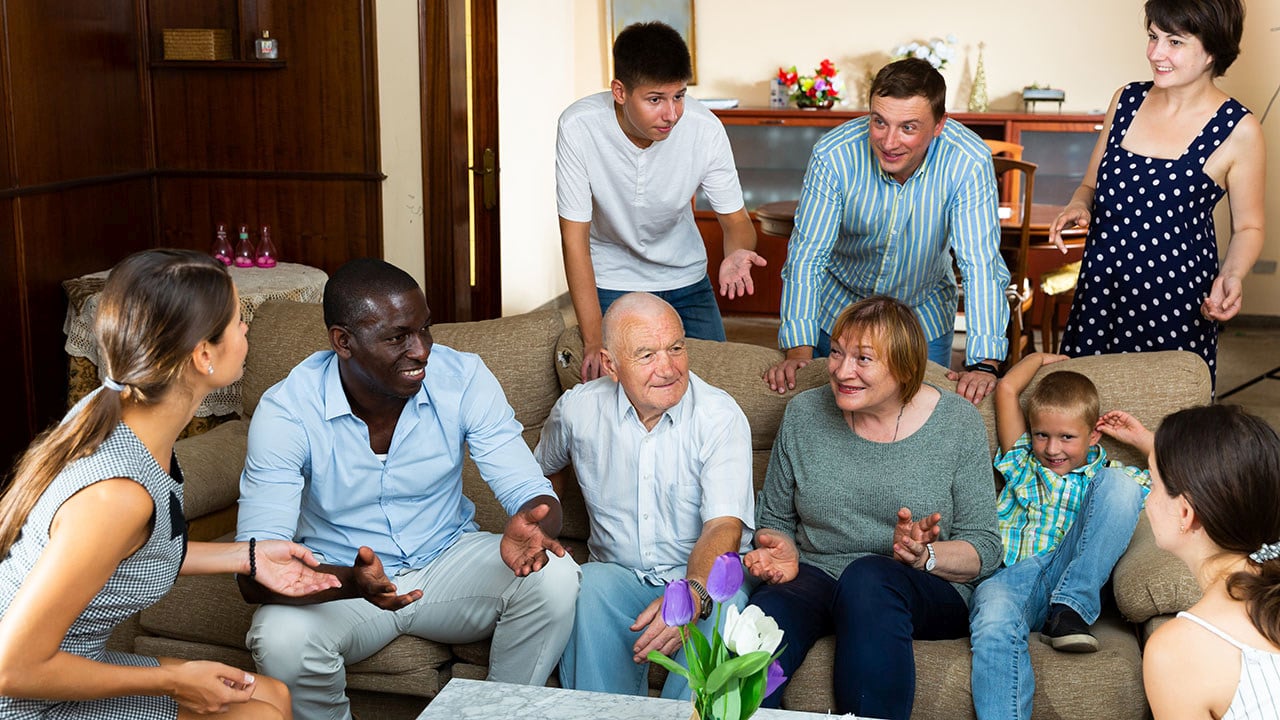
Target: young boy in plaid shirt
{"x":1066,"y":515}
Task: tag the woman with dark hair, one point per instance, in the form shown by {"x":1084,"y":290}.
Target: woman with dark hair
{"x":1215,"y":503}
{"x":92,"y":528}
{"x":877,"y":515}
{"x":1170,"y":149}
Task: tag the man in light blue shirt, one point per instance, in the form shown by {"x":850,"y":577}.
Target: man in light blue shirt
{"x":886,"y":200}
{"x":664,"y":463}
{"x":357,"y":454}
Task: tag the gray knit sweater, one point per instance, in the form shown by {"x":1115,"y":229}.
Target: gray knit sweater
{"x":838,"y":494}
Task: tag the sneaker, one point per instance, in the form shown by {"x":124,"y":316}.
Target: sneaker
{"x":1066,"y":631}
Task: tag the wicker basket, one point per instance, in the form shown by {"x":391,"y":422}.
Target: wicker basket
{"x":197,"y":44}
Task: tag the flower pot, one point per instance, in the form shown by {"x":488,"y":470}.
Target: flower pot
{"x":815,"y":105}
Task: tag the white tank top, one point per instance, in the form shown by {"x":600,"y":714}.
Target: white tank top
{"x":1258,"y":694}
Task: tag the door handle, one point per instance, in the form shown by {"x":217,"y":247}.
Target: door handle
{"x":488,"y":170}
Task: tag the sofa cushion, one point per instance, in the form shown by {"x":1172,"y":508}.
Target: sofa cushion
{"x":517,"y":349}
{"x":211,"y":465}
{"x":1149,"y":581}
{"x":1107,"y":683}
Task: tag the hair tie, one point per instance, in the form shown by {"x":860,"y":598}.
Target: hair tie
{"x":110,"y":384}
{"x":1268,"y":551}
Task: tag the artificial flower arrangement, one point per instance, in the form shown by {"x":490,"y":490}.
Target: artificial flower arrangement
{"x":821,"y":89}
{"x":730,"y":675}
{"x":937,"y":51}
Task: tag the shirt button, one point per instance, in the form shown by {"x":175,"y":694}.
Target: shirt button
{"x":645,"y":516}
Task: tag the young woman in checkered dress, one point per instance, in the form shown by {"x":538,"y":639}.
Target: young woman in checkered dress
{"x":92,"y":528}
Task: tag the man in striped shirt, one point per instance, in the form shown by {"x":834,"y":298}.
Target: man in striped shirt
{"x":886,"y":200}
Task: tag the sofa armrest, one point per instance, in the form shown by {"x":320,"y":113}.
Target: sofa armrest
{"x":211,"y":465}
{"x":1149,"y":581}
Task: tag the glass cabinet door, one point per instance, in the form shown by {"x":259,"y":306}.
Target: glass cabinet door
{"x":771,"y":160}
{"x":1061,"y":150}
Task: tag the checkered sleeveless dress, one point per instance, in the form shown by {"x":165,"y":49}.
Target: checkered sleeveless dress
{"x":139,"y":581}
{"x":1152,"y":253}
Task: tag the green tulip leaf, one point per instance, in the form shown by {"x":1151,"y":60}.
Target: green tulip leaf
{"x":736,"y":668}
{"x":669,"y":664}
{"x":753,"y":693}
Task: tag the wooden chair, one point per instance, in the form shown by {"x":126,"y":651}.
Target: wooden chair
{"x":1021,"y":337}
{"x":1009,"y":190}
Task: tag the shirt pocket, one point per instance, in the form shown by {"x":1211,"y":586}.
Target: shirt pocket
{"x":682,"y":510}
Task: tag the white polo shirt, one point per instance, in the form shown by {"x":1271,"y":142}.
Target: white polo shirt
{"x":640,"y":201}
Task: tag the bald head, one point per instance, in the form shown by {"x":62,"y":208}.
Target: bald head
{"x":634,"y":308}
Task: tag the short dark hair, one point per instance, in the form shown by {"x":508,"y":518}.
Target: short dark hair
{"x":1066,"y":392}
{"x":1217,"y":23}
{"x":651,"y":53}
{"x":349,"y":289}
{"x":897,"y":334}
{"x":912,"y":77}
{"x":1226,"y":463}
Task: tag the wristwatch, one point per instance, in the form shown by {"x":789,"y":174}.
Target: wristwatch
{"x":932,"y":562}
{"x":983,"y":367}
{"x":704,"y":599}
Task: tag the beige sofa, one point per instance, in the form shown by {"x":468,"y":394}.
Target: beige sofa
{"x":535,"y":358}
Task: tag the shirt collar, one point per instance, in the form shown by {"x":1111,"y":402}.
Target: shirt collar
{"x":336,"y":403}
{"x":673,"y":416}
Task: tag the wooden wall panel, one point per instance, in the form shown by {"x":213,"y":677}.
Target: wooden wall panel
{"x":76,"y":97}
{"x":66,"y":234}
{"x":319,"y":223}
{"x":314,"y":115}
{"x":15,"y":362}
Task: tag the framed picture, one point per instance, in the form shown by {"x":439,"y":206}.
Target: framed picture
{"x":676,"y":13}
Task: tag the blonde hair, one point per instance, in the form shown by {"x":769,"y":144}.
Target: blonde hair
{"x":896,"y":333}
{"x":1066,"y":392}
{"x":156,"y":307}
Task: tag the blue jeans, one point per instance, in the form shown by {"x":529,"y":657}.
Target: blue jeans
{"x":598,"y":656}
{"x":1013,"y":602}
{"x":875,"y":610}
{"x":939,"y":348}
{"x":695,"y":303}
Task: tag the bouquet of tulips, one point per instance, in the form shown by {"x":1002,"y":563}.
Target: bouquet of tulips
{"x":821,"y":88}
{"x":730,"y":675}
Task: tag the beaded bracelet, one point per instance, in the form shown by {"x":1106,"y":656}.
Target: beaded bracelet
{"x":253,"y":560}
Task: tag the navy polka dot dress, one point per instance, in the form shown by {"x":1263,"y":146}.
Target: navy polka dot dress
{"x":1152,"y":253}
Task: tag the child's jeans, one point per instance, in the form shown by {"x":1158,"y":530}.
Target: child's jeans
{"x":1008,"y":605}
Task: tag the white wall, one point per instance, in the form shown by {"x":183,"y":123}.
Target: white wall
{"x":400,"y":121}
{"x":551,"y":52}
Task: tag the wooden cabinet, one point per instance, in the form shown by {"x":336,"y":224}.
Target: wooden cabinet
{"x":771,"y":150}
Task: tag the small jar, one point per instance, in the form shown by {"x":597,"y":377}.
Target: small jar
{"x":265,"y":47}
{"x":244,"y":249}
{"x":221,"y":245}
{"x":266,"y":257}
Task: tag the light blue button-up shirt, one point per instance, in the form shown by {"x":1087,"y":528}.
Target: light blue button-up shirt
{"x":648,"y":492}
{"x":859,"y":232}
{"x":310,"y":475}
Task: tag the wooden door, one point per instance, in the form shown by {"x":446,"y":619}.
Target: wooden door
{"x":460,"y":158}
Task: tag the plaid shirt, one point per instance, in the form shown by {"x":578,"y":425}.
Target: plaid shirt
{"x":1037,"y":505}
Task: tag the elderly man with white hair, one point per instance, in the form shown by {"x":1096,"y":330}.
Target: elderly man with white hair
{"x":664,"y":463}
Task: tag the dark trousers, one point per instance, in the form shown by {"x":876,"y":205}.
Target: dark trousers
{"x":876,"y":608}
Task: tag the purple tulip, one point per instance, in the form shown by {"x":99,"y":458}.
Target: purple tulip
{"x":677,"y":603}
{"x":725,"y":577}
{"x":774,"y":679}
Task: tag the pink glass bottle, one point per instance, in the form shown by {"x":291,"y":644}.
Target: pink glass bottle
{"x":244,"y":249}
{"x":266,"y":257}
{"x":221,"y":246}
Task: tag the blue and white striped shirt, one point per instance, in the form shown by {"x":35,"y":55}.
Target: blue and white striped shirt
{"x":860,"y":233}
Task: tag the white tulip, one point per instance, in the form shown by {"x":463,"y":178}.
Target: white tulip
{"x":750,"y":631}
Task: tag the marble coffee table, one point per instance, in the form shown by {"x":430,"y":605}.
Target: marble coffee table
{"x":480,"y":700}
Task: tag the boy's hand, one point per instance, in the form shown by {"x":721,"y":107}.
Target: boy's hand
{"x":1124,"y":427}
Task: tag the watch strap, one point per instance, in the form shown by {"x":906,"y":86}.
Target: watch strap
{"x":983,"y":367}
{"x":704,"y":598}
{"x":932,"y":561}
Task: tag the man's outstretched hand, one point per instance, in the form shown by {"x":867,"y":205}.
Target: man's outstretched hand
{"x":374,"y":585}
{"x":525,"y":544}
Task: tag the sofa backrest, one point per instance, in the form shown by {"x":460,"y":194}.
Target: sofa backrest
{"x":518,"y":349}
{"x":1147,"y":385}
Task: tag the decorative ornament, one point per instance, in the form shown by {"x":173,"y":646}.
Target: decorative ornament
{"x":978,"y":97}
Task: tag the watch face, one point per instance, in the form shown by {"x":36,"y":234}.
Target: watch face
{"x":932,"y":562}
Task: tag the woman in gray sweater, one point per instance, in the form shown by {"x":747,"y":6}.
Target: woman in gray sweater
{"x":877,"y":515}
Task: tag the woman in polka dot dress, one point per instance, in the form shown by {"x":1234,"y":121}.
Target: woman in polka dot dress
{"x":1171,"y":148}
{"x":92,"y":528}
